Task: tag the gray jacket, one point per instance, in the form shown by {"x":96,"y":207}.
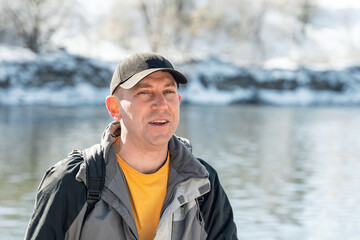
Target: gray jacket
{"x":195,"y":206}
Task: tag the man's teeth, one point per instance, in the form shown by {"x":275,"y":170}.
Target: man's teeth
{"x":159,"y":121}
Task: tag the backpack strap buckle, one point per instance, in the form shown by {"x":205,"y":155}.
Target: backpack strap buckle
{"x":94,"y":191}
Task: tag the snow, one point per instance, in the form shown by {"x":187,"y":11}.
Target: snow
{"x":96,"y":8}
{"x":211,"y":68}
{"x":281,"y":62}
{"x":82,"y":94}
{"x":92,"y":47}
{"x":15,"y":54}
{"x":210,"y":82}
{"x":197,"y":94}
{"x":339,"y":4}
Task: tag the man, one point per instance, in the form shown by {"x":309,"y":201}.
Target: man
{"x":154,"y":187}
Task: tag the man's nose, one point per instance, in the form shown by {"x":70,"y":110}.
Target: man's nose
{"x":160,"y":102}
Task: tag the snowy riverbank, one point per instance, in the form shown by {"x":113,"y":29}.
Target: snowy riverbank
{"x":66,"y":80}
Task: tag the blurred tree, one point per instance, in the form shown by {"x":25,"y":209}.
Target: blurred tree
{"x":256,"y":29}
{"x":153,"y":14}
{"x":119,"y":28}
{"x":34,"y":22}
{"x":165,"y":21}
{"x":238,"y":23}
{"x":158,"y":24}
{"x":180,"y":22}
{"x":256,"y":24}
{"x":305,"y":10}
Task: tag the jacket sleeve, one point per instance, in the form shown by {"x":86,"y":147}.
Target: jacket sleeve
{"x":216,"y":210}
{"x":58,"y":201}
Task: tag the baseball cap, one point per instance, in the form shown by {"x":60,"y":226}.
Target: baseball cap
{"x":133,"y":69}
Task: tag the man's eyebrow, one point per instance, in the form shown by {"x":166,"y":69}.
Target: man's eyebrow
{"x":146,"y":85}
{"x":142,"y":85}
{"x":172,"y":84}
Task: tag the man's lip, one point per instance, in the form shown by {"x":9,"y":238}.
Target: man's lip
{"x":159,"y":121}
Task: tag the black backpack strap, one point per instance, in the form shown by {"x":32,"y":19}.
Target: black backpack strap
{"x":95,"y":175}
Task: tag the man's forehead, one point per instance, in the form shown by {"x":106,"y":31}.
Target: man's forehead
{"x":149,"y":81}
{"x":160,"y":74}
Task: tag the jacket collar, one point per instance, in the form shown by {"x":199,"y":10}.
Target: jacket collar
{"x":182,"y":161}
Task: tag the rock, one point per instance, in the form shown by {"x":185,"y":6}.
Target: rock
{"x":59,"y":71}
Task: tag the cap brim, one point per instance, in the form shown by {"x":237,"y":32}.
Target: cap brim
{"x":131,"y":82}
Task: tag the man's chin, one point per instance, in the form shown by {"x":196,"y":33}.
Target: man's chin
{"x":161,"y":140}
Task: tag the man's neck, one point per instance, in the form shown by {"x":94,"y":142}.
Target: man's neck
{"x":143,"y":160}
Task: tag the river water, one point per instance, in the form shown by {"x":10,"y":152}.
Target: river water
{"x":290,"y":173}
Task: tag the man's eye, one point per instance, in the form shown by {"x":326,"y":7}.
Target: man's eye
{"x":169,"y":91}
{"x":143,"y":93}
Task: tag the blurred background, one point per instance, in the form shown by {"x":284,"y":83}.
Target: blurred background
{"x":272,"y":101}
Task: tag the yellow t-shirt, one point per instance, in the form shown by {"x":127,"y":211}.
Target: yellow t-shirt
{"x":147,"y":193}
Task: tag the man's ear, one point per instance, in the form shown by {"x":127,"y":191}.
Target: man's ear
{"x":113,"y":104}
{"x":179,"y":97}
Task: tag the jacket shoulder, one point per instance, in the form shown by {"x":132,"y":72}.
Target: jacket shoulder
{"x":59,"y":199}
{"x":212,"y":172}
{"x":216,"y":209}
{"x":61,"y":173}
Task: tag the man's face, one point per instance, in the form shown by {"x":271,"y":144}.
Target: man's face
{"x":150,"y":111}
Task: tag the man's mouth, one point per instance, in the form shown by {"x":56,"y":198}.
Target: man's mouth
{"x":159,"y":122}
